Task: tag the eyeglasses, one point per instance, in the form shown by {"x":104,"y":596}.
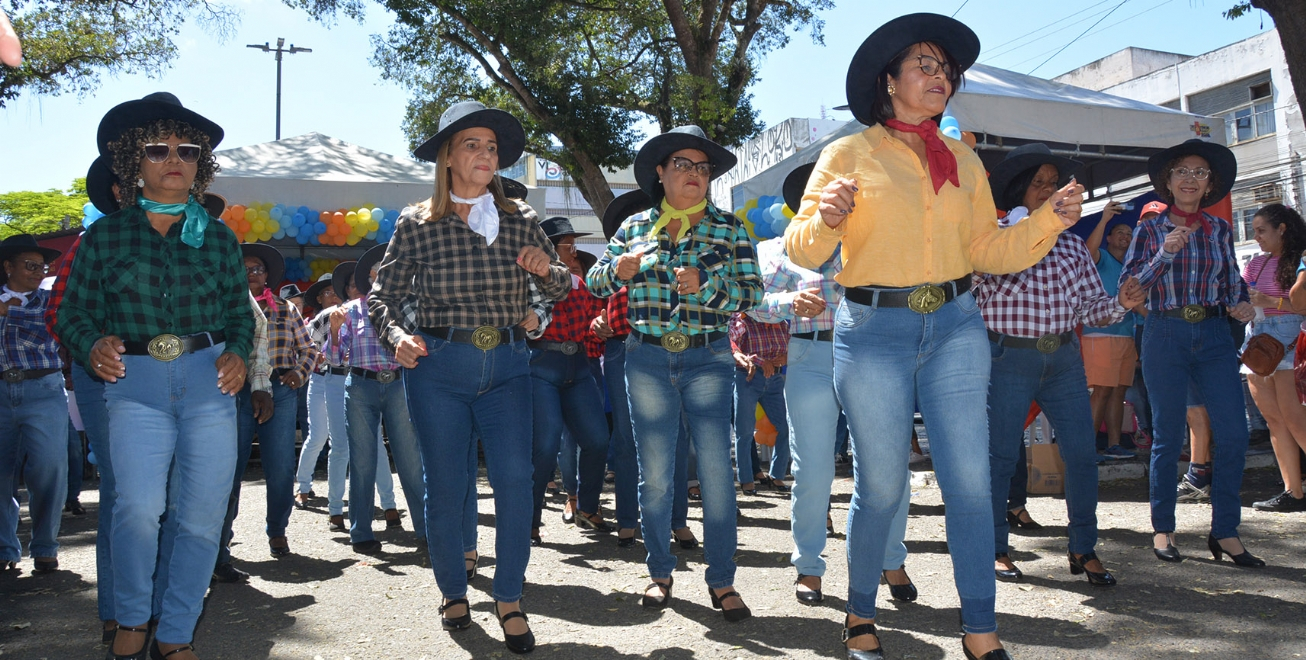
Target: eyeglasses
{"x":1200,"y":173}
{"x":566,"y":247}
{"x":685,"y":165}
{"x":255,"y":270}
{"x":34,"y":266}
{"x":931,"y":66}
{"x":158,"y":152}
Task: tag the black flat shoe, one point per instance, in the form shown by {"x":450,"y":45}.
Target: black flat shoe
{"x":475,"y":561}
{"x":458,"y":623}
{"x":592,"y":521}
{"x":74,"y":507}
{"x":139,"y":655}
{"x":995,"y":654}
{"x":658,"y":603}
{"x":536,"y":540}
{"x":523,"y":643}
{"x":696,"y":494}
{"x":1170,"y":554}
{"x":685,"y":544}
{"x":372,"y":547}
{"x":780,"y":487}
{"x":157,"y":654}
{"x":279,"y":551}
{"x":393,"y":520}
{"x":1103,"y":579}
{"x":858,"y":631}
{"x":1013,"y":575}
{"x":569,"y":512}
{"x":809,"y":596}
{"x":733,"y":615}
{"x":1245,"y":559}
{"x":902,"y":592}
{"x":1013,"y":518}
{"x":229,"y":574}
{"x":751,"y":492}
{"x":45,"y":564}
{"x":626,"y":541}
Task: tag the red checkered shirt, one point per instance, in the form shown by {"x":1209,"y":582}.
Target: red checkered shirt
{"x":60,"y":285}
{"x":1053,"y":296}
{"x":618,"y":307}
{"x":759,"y":341}
{"x":572,"y":317}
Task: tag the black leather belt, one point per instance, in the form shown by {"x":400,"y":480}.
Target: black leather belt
{"x":382,"y":376}
{"x":1196,"y":313}
{"x":167,"y":348}
{"x":485,"y":337}
{"x":279,"y":372}
{"x":338,"y":371}
{"x":1048,"y":343}
{"x":564,"y":347}
{"x":20,"y":375}
{"x":923,"y":299}
{"x":677,"y":341}
{"x":815,"y":335}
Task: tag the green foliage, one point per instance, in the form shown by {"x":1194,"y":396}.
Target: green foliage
{"x":28,"y":212}
{"x":69,"y":44}
{"x":1238,"y":10}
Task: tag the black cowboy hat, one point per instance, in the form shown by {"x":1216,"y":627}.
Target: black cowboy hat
{"x":625,"y":205}
{"x":558,"y":227}
{"x":508,"y":131}
{"x":1218,"y":156}
{"x":159,"y":105}
{"x":655,"y":152}
{"x":291,"y":291}
{"x":315,"y":290}
{"x":892,"y":38}
{"x":369,"y":260}
{"x":341,"y":277}
{"x":99,"y":187}
{"x":19,"y":244}
{"x":587,"y":260}
{"x":271,"y":258}
{"x":1022,"y":158}
{"x":795,"y":185}
{"x":513,"y":189}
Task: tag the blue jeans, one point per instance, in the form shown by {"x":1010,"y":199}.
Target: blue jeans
{"x":163,"y":413}
{"x":1176,"y":352}
{"x":95,"y":418}
{"x":457,"y":393}
{"x":565,"y":397}
{"x":886,"y":361}
{"x":770,"y":392}
{"x":367,"y":402}
{"x":326,"y":413}
{"x":276,"y":449}
{"x":33,"y":423}
{"x":1018,"y":490}
{"x":1056,"y":382}
{"x":813,"y":432}
{"x":665,"y":388}
{"x":75,"y":460}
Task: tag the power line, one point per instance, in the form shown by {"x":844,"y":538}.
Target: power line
{"x":1095,"y":32}
{"x":963,"y":6}
{"x":1072,"y":41}
{"x":1015,"y":45}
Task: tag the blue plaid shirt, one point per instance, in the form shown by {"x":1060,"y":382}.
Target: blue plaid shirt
{"x":718,"y":246}
{"x":783,"y":279}
{"x":1204,"y":272}
{"x":357,"y":344}
{"x":28,"y":343}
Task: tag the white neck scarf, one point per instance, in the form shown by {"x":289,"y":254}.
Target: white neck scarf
{"x":1014,"y":216}
{"x":9,"y":294}
{"x":484,"y":218}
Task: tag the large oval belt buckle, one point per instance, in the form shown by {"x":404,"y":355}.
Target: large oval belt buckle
{"x":386,"y":376}
{"x":165,"y":348}
{"x":570,"y":348}
{"x":1194,"y":313}
{"x":485,"y":337}
{"x":925,"y":299}
{"x":14,"y":375}
{"x":1048,"y":343}
{"x":675,"y":341}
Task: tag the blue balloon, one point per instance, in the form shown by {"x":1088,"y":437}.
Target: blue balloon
{"x":306,"y":212}
{"x":754,"y":216}
{"x":320,"y":227}
{"x":314,"y":239}
{"x":297,"y":220}
{"x":392,"y":215}
{"x":776,"y":211}
{"x":949,"y":121}
{"x":90,"y":453}
{"x":778,"y":226}
{"x":291,"y":231}
{"x":371,"y":235}
{"x":952,"y":132}
{"x":763,"y":231}
{"x":279,"y":234}
{"x":302,"y":238}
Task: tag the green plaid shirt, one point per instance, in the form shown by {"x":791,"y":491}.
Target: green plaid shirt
{"x":130,"y":281}
{"x":718,"y":246}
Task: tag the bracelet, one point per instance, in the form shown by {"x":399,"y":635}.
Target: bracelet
{"x":1280,"y":306}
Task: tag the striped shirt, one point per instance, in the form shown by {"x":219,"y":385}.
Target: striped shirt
{"x":783,"y":279}
{"x":27,"y":343}
{"x":357,"y":344}
{"x":1261,"y":274}
{"x":1204,"y":272}
{"x":718,"y":246}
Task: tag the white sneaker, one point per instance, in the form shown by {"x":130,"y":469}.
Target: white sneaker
{"x":1190,"y":493}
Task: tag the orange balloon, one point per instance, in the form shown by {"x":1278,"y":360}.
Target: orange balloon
{"x":968,"y":138}
{"x":324,"y":217}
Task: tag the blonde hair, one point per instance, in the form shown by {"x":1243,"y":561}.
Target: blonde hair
{"x":440,"y":204}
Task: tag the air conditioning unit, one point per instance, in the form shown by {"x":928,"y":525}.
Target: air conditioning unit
{"x":1267,"y":193}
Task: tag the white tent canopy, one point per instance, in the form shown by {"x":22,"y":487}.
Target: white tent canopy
{"x":1112,"y":136}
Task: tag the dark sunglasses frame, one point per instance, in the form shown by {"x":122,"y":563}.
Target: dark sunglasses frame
{"x":158,"y":152}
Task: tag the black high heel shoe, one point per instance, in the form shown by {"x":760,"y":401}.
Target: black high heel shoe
{"x":857,"y":631}
{"x":157,"y":654}
{"x":903,"y":592}
{"x":690,"y":543}
{"x":733,"y":615}
{"x":995,"y":654}
{"x":655,"y":603}
{"x":523,"y":643}
{"x":475,"y":561}
{"x":1005,"y":575}
{"x":145,"y":645}
{"x":1013,"y":518}
{"x":1103,"y":579}
{"x":1170,"y":553}
{"x":810,"y":596}
{"x":1245,"y":559}
{"x":459,"y":623}
{"x":626,"y":541}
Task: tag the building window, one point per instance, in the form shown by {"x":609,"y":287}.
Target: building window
{"x":1249,"y":122}
{"x":1242,"y":224}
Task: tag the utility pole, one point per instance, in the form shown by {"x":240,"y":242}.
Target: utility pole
{"x":279,"y":50}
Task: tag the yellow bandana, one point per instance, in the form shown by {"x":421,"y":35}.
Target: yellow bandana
{"x":670,"y":213}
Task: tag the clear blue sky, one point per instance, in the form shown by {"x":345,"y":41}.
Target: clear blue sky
{"x":46,"y":142}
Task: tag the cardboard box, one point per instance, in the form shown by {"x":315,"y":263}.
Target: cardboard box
{"x":1047,"y":473}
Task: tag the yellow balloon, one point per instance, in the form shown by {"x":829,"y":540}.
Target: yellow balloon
{"x":365,"y":215}
{"x":353,"y":239}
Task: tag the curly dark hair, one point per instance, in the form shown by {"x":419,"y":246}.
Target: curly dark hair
{"x":129,"y":149}
{"x":1294,"y":241}
{"x":1163,"y":190}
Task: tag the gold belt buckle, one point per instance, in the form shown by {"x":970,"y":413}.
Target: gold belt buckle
{"x":675,"y":341}
{"x":1048,"y":343}
{"x":165,"y":348}
{"x":485,"y":337}
{"x":925,"y":299}
{"x":1194,"y":313}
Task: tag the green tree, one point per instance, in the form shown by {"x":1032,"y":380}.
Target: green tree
{"x":583,"y":74}
{"x":69,"y":44}
{"x":26,"y":212}
{"x":1289,"y":18}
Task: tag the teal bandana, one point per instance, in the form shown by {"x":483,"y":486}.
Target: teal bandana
{"x":197,"y":218}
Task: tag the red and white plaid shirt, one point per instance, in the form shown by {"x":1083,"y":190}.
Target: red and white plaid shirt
{"x":759,"y":341}
{"x":1053,"y":296}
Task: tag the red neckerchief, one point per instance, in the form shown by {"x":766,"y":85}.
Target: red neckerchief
{"x":943,"y":163}
{"x":267,"y":299}
{"x":1190,"y":218}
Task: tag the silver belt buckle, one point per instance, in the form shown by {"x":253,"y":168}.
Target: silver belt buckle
{"x":386,"y":376}
{"x":570,"y":348}
{"x":14,"y":375}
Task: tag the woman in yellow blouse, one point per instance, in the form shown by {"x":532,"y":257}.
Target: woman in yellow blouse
{"x":915,"y":217}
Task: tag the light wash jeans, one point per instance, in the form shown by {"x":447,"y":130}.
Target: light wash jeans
{"x":32,"y":424}
{"x":770,"y":392}
{"x":326,"y":413}
{"x":95,"y":418}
